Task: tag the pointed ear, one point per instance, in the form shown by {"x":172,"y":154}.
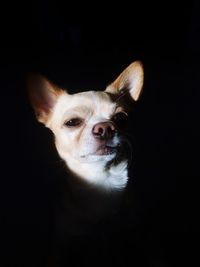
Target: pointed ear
{"x":130,"y":79}
{"x":43,"y":95}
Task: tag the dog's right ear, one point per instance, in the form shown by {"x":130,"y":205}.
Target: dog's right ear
{"x":130,"y":80}
{"x":43,"y":95}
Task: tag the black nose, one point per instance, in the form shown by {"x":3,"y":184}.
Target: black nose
{"x":104,"y":130}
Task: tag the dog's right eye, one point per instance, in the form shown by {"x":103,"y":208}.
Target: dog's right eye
{"x":75,"y":122}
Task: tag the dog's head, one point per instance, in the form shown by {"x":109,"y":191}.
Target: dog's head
{"x":86,"y":125}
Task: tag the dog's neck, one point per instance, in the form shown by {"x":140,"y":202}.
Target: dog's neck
{"x":96,"y":174}
{"x":90,"y":196}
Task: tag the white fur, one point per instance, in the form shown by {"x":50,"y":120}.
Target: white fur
{"x":96,"y":174}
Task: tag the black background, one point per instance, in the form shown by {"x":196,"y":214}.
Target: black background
{"x":83,"y":47}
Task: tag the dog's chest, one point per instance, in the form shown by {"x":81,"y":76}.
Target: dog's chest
{"x":83,"y":208}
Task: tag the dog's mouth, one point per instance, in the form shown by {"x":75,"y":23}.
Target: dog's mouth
{"x":106,"y":150}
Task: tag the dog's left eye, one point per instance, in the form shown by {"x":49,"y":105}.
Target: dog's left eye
{"x":120,"y":119}
{"x":75,"y":122}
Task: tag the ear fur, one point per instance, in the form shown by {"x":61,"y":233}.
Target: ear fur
{"x":43,"y":95}
{"x":130,"y":79}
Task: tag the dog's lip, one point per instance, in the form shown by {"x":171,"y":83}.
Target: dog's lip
{"x":106,"y":150}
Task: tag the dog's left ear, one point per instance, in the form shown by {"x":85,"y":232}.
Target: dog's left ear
{"x":130,"y":79}
{"x":43,"y":95}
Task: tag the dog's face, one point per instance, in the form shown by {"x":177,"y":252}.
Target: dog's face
{"x":86,"y":125}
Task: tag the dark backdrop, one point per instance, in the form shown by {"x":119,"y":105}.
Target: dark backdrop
{"x":85,"y":47}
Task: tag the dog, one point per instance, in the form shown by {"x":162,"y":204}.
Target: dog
{"x":88,"y":130}
{"x":86,"y":125}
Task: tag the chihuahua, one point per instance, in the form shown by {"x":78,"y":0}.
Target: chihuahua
{"x":87,"y":126}
{"x":89,"y":137}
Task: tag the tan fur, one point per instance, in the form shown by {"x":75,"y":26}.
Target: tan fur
{"x":131,"y":78}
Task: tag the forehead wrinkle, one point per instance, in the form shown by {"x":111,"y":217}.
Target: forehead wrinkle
{"x":98,"y":103}
{"x":79,"y":110}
